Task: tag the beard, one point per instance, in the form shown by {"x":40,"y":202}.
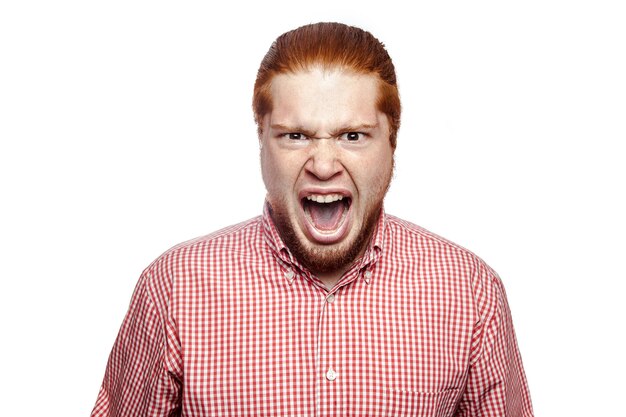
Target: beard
{"x":324,"y":258}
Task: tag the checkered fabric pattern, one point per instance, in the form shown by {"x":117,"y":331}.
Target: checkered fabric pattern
{"x":232,"y":325}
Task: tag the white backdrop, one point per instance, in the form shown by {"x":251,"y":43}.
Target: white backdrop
{"x":126,"y":128}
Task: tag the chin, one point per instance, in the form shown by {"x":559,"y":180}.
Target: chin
{"x":319,"y":257}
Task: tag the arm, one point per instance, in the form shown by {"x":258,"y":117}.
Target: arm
{"x":143,"y":372}
{"x":496,"y":384}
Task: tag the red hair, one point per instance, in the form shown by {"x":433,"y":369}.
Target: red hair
{"x":330,"y":46}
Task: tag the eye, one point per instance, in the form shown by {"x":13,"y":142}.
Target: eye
{"x":295,"y":136}
{"x":352,"y":136}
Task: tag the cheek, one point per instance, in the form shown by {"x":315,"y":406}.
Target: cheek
{"x":383,"y":161}
{"x":268,"y":170}
{"x":375,"y":175}
{"x":378,"y":158}
{"x":276,"y":172}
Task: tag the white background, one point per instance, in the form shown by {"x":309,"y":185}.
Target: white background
{"x":126,"y":128}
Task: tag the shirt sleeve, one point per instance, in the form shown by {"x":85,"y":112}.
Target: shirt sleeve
{"x":496,"y":383}
{"x":141,"y":377}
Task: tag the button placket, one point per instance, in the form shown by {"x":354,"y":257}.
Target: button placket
{"x":328,"y":345}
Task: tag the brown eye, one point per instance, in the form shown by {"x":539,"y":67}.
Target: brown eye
{"x":296,"y":136}
{"x":352,"y":136}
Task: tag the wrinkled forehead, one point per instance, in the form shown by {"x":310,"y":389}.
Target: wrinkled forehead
{"x":322,"y":83}
{"x":322,"y":101}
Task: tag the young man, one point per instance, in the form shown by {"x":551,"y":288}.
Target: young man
{"x":324,"y":305}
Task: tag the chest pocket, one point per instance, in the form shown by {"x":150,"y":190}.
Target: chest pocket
{"x":418,"y":404}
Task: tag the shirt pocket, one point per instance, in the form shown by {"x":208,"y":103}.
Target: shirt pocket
{"x":418,"y":404}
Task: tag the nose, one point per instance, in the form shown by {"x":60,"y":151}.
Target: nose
{"x":324,"y":160}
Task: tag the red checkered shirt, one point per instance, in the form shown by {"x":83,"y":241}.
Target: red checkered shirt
{"x":232,"y":325}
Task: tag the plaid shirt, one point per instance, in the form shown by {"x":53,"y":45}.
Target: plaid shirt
{"x":232,"y":325}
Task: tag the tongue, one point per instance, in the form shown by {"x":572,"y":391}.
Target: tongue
{"x":326,"y":216}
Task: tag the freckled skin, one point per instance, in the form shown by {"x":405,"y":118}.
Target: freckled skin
{"x":324,"y":108}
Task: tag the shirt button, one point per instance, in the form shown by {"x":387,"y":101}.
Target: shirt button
{"x":289,"y":274}
{"x":330,"y":299}
{"x":331,"y":375}
{"x":368,"y":274}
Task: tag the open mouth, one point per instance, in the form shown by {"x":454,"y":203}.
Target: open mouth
{"x":326,"y":213}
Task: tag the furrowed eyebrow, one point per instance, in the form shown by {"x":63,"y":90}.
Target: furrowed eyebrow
{"x":292,"y":129}
{"x":335,"y":133}
{"x":354,"y":128}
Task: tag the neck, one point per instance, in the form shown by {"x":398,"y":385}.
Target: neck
{"x":330,"y":279}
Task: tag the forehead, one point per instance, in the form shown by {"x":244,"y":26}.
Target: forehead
{"x":336,"y":96}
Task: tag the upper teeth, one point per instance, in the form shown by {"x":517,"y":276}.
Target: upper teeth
{"x":329,"y":198}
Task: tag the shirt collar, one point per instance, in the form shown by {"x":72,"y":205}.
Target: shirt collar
{"x":377,"y":243}
{"x":272,"y":237}
{"x":283,"y":255}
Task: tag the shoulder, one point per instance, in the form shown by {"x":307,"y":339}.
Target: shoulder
{"x":407,"y":237}
{"x":242,"y":239}
{"x":439,"y":257}
{"x":236,"y":238}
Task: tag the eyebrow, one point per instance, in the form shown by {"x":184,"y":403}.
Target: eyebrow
{"x":337,"y":132}
{"x":292,"y":129}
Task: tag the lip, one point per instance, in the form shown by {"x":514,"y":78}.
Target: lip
{"x":319,"y":236}
{"x":323,"y":191}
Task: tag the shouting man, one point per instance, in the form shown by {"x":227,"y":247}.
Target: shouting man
{"x":324,"y":305}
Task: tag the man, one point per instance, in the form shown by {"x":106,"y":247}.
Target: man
{"x":325,"y":305}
